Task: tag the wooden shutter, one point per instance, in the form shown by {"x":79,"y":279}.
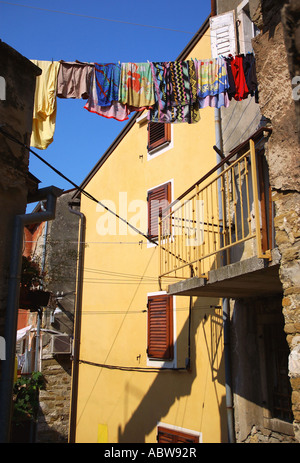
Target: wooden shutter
{"x":158,"y":200}
{"x":170,"y":436}
{"x":160,"y":327}
{"x":158,"y":133}
{"x":223,"y":34}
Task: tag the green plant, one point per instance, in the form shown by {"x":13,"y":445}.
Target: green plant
{"x":30,"y":275}
{"x":26,"y":396}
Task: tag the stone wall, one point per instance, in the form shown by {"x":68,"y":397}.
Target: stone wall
{"x":276,"y":103}
{"x":60,"y":279}
{"x":53,"y":419}
{"x":18,"y":75}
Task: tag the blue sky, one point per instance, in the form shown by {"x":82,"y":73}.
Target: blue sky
{"x":81,"y":137}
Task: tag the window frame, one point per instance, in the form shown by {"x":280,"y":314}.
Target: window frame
{"x":153,"y":351}
{"x":177,"y":434}
{"x":161,"y":141}
{"x":151,"y":362}
{"x":167,"y":186}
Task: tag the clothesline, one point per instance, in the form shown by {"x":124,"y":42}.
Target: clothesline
{"x":171,"y":92}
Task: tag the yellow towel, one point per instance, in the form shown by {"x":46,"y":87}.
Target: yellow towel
{"x":44,"y":111}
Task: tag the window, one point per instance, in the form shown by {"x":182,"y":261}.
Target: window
{"x":159,"y":135}
{"x":158,"y":200}
{"x":174,"y":436}
{"x":232,"y":32}
{"x":246,"y":28}
{"x":223,"y":34}
{"x":160,"y":327}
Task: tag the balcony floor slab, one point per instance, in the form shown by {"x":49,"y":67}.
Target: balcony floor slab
{"x":247,"y":278}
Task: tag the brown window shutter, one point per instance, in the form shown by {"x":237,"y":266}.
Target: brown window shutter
{"x":166,"y":435}
{"x":158,"y":200}
{"x":158,"y":133}
{"x":160,"y":327}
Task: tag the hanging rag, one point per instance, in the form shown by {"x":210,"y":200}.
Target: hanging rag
{"x":107,"y":82}
{"x":136,"y":86}
{"x":212,"y":82}
{"x":237,"y":69}
{"x":249,"y":67}
{"x":44,"y":110}
{"x":73,"y":80}
{"x":175,"y":93}
{"x":116,"y":110}
{"x":231,"y":91}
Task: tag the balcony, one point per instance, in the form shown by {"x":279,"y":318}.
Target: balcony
{"x":217,"y":239}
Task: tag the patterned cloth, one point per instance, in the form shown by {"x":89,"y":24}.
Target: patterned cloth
{"x":175,"y":93}
{"x":212,"y":82}
{"x":107,"y":82}
{"x":136,"y":85}
{"x":116,"y":110}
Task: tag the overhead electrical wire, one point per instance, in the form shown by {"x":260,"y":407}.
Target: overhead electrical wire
{"x":120,"y":21}
{"x":78,"y":188}
{"x":95,"y":17}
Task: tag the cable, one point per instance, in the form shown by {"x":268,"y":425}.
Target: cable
{"x":125,"y":368}
{"x":81,"y":190}
{"x":95,"y":17}
{"x":206,"y":34}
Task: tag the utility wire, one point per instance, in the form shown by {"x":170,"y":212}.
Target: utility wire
{"x":78,"y":188}
{"x":124,"y":368}
{"x":206,"y":34}
{"x":95,"y":17}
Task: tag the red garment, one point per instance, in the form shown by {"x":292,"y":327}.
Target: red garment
{"x":242,"y":91}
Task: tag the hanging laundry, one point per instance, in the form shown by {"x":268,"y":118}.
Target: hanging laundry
{"x":231,"y":91}
{"x":249,"y":67}
{"x":116,"y":110}
{"x":212,"y":82}
{"x":136,"y":86}
{"x":107,"y":82}
{"x":73,"y":80}
{"x":237,"y":69}
{"x":194,"y":103}
{"x":175,"y":102}
{"x":44,"y":110}
{"x":179,"y":84}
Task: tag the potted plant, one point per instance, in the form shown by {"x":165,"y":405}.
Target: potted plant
{"x":26,"y":405}
{"x":31,"y":297}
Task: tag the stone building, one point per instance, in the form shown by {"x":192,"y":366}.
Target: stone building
{"x":17,"y":188}
{"x":54,"y":246}
{"x":18,"y":76}
{"x":276,"y":47}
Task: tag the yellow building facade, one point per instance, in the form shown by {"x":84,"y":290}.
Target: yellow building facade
{"x":123,"y":395}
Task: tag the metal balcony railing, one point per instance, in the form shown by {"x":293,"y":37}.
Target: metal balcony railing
{"x":225,"y":217}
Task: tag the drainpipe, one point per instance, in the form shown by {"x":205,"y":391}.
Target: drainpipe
{"x":11,"y":317}
{"x":77,"y":327}
{"x":225,"y":301}
{"x":40,"y":310}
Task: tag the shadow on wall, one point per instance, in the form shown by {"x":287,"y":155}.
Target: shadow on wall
{"x":170,"y":386}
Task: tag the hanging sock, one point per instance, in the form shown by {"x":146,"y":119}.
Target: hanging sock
{"x":44,"y":110}
{"x":73,"y":80}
